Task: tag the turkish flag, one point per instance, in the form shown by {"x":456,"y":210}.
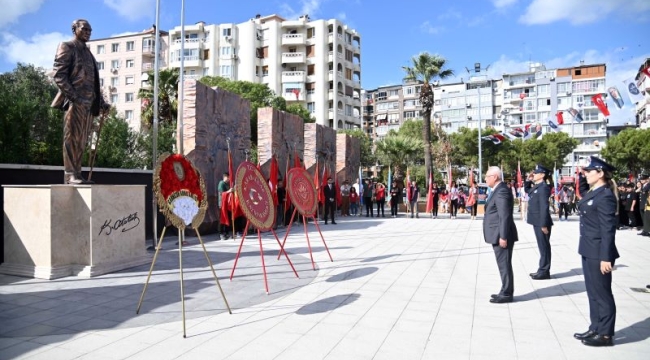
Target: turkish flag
{"x":600,"y":103}
{"x":560,"y":118}
{"x":273,"y":179}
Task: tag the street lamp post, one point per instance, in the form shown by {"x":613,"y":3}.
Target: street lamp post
{"x":477,"y":70}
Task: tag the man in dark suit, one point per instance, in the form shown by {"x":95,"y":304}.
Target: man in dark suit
{"x":499,"y":230}
{"x":76,"y":75}
{"x":540,"y":217}
{"x":329,"y":192}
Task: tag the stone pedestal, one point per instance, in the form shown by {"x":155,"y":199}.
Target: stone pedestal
{"x":348,"y":158}
{"x":53,"y":231}
{"x":320,"y":142}
{"x":279,"y":133}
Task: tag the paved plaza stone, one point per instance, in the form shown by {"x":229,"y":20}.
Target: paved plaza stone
{"x":397,"y":289}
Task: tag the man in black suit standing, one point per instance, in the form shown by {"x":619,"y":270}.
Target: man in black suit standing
{"x":329,"y":192}
{"x":499,"y":230}
{"x":540,"y":217}
{"x":643,"y":203}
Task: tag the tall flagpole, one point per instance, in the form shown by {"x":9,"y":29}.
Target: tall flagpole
{"x":181,"y":81}
{"x":156,"y":77}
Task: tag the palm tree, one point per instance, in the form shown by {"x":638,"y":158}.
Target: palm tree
{"x":398,"y":151}
{"x":427,"y":67}
{"x":167,"y":97}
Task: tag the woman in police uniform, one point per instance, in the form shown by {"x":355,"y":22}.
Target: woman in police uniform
{"x":598,"y":220}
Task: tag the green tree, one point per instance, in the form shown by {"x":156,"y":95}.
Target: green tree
{"x":628,"y":151}
{"x":426,"y":67}
{"x":167,"y":97}
{"x":398,"y":151}
{"x":551,"y":150}
{"x":30,"y":130}
{"x":367,"y":157}
{"x":116,"y":145}
{"x":142,"y":157}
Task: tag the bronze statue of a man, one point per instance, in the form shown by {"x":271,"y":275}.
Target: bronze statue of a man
{"x":76,"y":75}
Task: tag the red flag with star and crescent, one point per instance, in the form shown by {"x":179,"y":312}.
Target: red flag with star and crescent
{"x":600,"y":103}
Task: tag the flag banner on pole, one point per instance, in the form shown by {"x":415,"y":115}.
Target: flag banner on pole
{"x":646,"y":71}
{"x":600,"y":104}
{"x":390,"y":183}
{"x":430,"y":196}
{"x":360,"y":186}
{"x":559,"y":117}
{"x":273,"y":179}
{"x":577,"y":116}
{"x":621,"y":108}
{"x":519,"y":182}
{"x":553,"y":125}
{"x":633,"y":91}
{"x":408,"y":185}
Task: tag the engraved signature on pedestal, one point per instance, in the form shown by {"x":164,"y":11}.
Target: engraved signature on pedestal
{"x":126,"y":223}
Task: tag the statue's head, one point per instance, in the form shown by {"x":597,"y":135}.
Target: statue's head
{"x":81,"y":30}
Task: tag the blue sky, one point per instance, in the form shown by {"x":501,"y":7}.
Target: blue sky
{"x":505,"y":34}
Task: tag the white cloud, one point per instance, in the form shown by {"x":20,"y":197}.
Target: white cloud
{"x":12,"y":10}
{"x":341,"y":16}
{"x":38,"y":50}
{"x":308,"y":7}
{"x":580,"y":11}
{"x":125,"y":33}
{"x":133,"y":9}
{"x":427,"y":28}
{"x":503,"y":3}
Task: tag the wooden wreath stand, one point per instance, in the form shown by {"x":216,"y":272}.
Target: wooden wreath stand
{"x":189,"y":178}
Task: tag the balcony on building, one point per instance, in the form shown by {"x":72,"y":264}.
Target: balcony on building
{"x":514,"y":84}
{"x":294,"y":94}
{"x":293,"y":57}
{"x":330,"y":75}
{"x":293,"y":39}
{"x":293,"y":76}
{"x":330,"y":56}
{"x":189,"y":61}
{"x":190,"y":43}
{"x":148,"y":50}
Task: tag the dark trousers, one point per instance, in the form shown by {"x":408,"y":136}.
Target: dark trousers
{"x":393,"y":206}
{"x":225,"y":229}
{"x":564,"y":209}
{"x":368,"y":203}
{"x":632,"y":218}
{"x":330,"y":207}
{"x":646,"y":221}
{"x":434,"y":212}
{"x":454,"y":208}
{"x":602,"y":308}
{"x":380,"y":207}
{"x":504,"y":262}
{"x":622,"y":216}
{"x":77,"y":123}
{"x":473,"y":210}
{"x":544,"y":246}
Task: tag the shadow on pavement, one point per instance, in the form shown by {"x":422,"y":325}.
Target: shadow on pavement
{"x":352,"y":274}
{"x":328,"y":304}
{"x":571,"y":288}
{"x":637,"y":332}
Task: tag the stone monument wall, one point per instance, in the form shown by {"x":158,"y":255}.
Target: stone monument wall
{"x":348,"y":156}
{"x":279,"y":133}
{"x":211,"y":117}
{"x":320,"y":141}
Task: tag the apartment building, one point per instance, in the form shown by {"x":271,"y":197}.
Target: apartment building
{"x":463,"y":104}
{"x":643,"y":108}
{"x":388,"y":107}
{"x":313,"y":63}
{"x":123,"y":62}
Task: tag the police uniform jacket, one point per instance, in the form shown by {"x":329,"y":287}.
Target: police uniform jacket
{"x":538,"y":214}
{"x":598,"y":222}
{"x":643,"y":200}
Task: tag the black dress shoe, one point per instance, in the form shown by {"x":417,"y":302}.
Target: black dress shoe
{"x":333,"y":223}
{"x":494,"y":296}
{"x":643,"y":233}
{"x":598,"y":340}
{"x":533,"y":274}
{"x":541,"y":276}
{"x":501,"y":299}
{"x":584,"y":335}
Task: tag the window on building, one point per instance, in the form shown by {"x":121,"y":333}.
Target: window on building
{"x":225,"y":50}
{"x":226,"y":32}
{"x":311,"y":33}
{"x":114,"y":98}
{"x":128,"y":115}
{"x":115,"y":64}
{"x":129,"y":80}
{"x":115,"y":47}
{"x":311,"y":107}
{"x":101,"y":82}
{"x":348,"y":74}
{"x":130,"y":45}
{"x":348,"y":55}
{"x":115,"y":81}
{"x":100,"y":65}
{"x":310,"y":87}
{"x":542,"y":89}
{"x":563,"y":87}
{"x":543,"y":115}
{"x":206,"y":71}
{"x":265,"y":70}
{"x":311,"y":50}
{"x":411,"y":103}
{"x":348,"y":110}
{"x":393,"y":118}
{"x":393,"y":92}
{"x":590,"y":114}
{"x":529,"y":105}
{"x":225,"y":70}
{"x":130,"y":63}
{"x":101,"y":49}
{"x":381,"y":95}
{"x":128,"y":97}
